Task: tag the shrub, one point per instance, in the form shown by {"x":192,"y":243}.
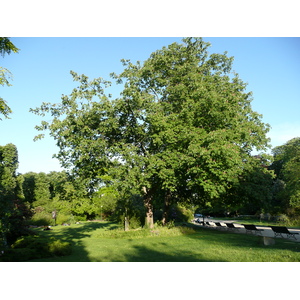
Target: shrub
{"x":26,"y":248}
{"x":36,"y":247}
{"x":283,"y":219}
{"x":59,"y":248}
{"x":41,"y":219}
{"x":18,"y":255}
{"x":134,"y":222}
{"x":63,"y":218}
{"x":183,"y":214}
{"x":24,"y":242}
{"x":170,"y":224}
{"x":288,"y":221}
{"x":80,"y":218}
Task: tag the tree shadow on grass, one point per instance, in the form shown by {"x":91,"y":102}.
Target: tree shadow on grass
{"x":158,"y":249}
{"x":74,"y":234}
{"x":119,"y":250}
{"x":77,"y":232}
{"x":146,"y":254}
{"x":244,"y":241}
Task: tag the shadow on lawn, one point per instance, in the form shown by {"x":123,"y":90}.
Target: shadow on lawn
{"x":242,"y":240}
{"x":137,"y":252}
{"x":145,"y":254}
{"x":75,"y":234}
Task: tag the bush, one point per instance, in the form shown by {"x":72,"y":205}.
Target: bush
{"x":63,"y":218}
{"x":183,"y":214}
{"x":25,"y":242}
{"x":80,"y":218}
{"x":18,"y":255}
{"x":283,"y":219}
{"x":41,"y":219}
{"x":135,"y":222}
{"x":170,"y":224}
{"x":59,"y":248}
{"x":36,"y":247}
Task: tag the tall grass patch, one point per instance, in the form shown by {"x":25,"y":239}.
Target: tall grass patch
{"x":157,"y":231}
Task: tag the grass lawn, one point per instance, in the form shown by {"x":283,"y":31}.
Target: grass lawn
{"x":100,"y":242}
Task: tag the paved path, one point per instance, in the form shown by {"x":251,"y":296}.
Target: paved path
{"x":267,"y":231}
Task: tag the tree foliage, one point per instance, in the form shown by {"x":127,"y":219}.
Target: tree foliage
{"x":57,"y":191}
{"x":13,"y":208}
{"x":286,"y":165}
{"x":6,"y":47}
{"x":183,"y":125}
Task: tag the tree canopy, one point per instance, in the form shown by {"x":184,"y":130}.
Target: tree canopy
{"x":183,"y":126}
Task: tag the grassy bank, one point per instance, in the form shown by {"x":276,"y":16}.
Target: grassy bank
{"x":104,"y":242}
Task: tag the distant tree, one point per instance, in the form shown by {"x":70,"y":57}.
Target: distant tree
{"x":6,"y":47}
{"x":283,"y":154}
{"x":73,"y":199}
{"x":57,"y":191}
{"x":105,"y":199}
{"x":182,"y":125}
{"x":42,"y":190}
{"x":287,"y":168}
{"x":28,"y":186}
{"x":56,"y":182}
{"x":253,"y":192}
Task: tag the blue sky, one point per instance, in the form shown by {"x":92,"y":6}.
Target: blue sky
{"x":41,"y":73}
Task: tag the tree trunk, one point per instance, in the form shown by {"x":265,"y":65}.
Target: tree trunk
{"x":149,"y":218}
{"x":166,"y":208}
{"x":126,"y":222}
{"x":149,"y":208}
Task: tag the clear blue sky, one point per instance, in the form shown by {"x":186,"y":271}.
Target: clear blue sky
{"x":41,"y":70}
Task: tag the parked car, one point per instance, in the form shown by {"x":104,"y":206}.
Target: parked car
{"x":198,"y":216}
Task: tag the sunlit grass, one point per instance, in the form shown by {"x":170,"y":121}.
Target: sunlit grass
{"x":104,"y":242}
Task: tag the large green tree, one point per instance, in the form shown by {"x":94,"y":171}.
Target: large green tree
{"x":6,"y":47}
{"x":183,"y":125}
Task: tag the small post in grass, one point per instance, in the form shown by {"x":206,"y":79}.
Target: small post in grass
{"x":268,"y":241}
{"x":54,"y":217}
{"x":126,"y":222}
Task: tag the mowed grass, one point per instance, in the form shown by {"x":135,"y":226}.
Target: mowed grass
{"x":104,"y":242}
